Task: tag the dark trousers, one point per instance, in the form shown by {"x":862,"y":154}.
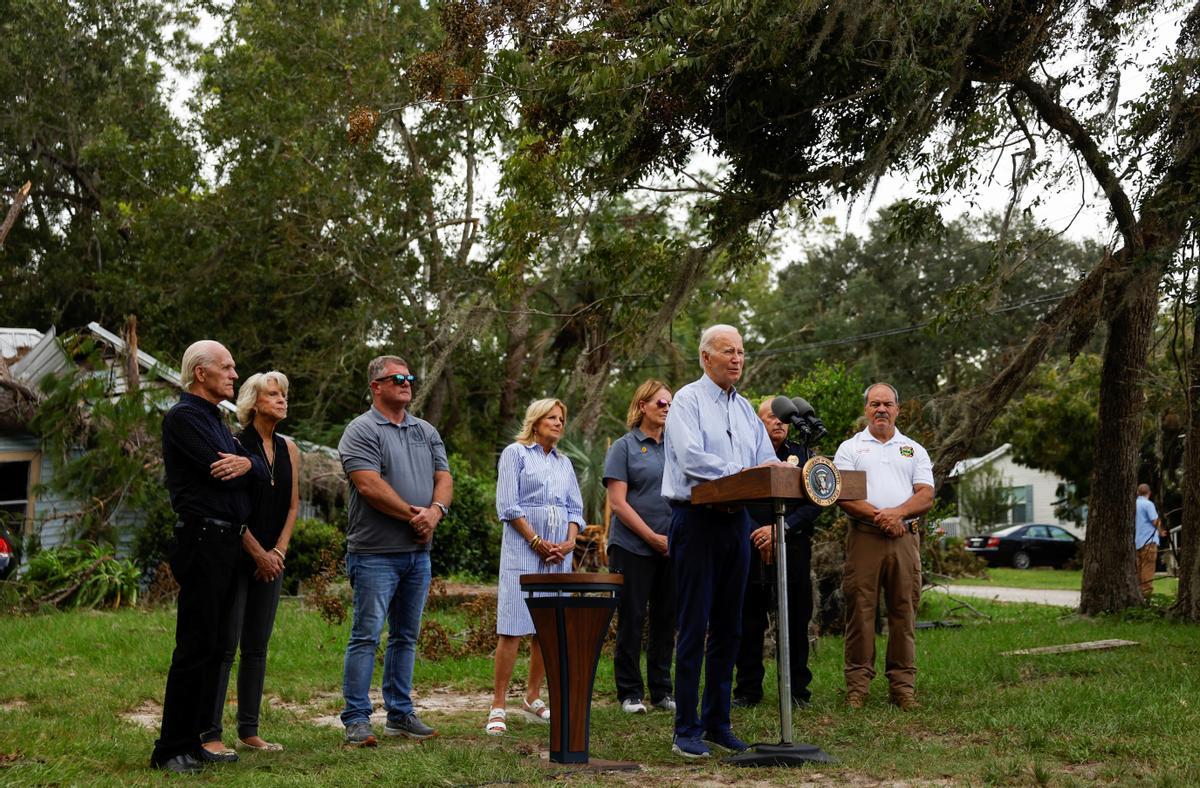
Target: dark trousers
{"x":251,"y":619}
{"x":648,"y":583}
{"x":204,"y":568}
{"x":710,"y":554}
{"x":759,"y":601}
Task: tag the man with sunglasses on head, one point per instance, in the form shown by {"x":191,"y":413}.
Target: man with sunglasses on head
{"x":400,"y":489}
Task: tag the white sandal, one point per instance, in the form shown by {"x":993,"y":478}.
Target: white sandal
{"x":495,"y":724}
{"x":536,"y":711}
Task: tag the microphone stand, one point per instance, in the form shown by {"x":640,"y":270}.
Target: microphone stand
{"x":785,"y":753}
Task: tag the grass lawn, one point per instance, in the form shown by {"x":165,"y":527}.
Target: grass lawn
{"x":1047,"y":577}
{"x":1128,"y":716}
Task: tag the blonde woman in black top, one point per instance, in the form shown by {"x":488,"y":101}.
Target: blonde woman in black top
{"x":261,"y":405}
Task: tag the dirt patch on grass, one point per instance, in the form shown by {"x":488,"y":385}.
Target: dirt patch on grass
{"x":13,"y":704}
{"x":439,"y":700}
{"x":148,"y":714}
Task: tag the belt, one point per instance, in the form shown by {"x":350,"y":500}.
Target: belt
{"x":210,"y":525}
{"x":714,"y":507}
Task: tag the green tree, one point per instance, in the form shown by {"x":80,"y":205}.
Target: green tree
{"x":86,"y":121}
{"x":830,"y":96}
{"x":984,"y":497}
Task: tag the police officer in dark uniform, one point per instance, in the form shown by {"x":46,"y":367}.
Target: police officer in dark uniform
{"x":760,"y":584}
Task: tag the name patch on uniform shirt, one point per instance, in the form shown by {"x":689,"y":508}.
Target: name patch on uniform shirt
{"x":906,"y":451}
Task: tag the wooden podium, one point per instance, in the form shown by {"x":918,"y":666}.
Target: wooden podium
{"x":780,"y":485}
{"x":571,"y":612}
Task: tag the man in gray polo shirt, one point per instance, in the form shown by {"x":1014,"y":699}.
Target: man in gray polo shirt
{"x":400,"y":488}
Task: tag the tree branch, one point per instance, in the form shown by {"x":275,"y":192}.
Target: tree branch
{"x":1059,"y":118}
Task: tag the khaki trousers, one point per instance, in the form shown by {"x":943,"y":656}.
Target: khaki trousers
{"x":1147,"y":558}
{"x":875,"y":561}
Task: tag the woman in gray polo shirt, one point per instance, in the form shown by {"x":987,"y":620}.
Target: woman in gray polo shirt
{"x":637,"y":548}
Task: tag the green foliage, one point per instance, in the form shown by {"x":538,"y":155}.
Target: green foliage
{"x":1053,"y":425}
{"x":587,"y":457}
{"x":894,"y":306}
{"x":467,"y":541}
{"x":836,"y":395}
{"x":985,"y":497}
{"x":89,"y":126}
{"x":106,"y":453}
{"x":310,"y":539}
{"x":947,"y":557}
{"x":84,"y":575}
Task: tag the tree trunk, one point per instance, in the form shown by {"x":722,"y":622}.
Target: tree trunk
{"x":514,"y":367}
{"x":1109,"y":574}
{"x":1187,"y":603}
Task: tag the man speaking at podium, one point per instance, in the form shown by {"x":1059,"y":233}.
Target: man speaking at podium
{"x":711,"y":432}
{"x":882,"y":548}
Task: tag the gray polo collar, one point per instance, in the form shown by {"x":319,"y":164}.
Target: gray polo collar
{"x":381,"y":419}
{"x":642,"y":437}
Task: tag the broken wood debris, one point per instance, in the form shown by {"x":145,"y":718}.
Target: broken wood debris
{"x":1091,"y":645}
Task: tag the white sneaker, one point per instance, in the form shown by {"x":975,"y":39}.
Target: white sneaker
{"x":633,"y":706}
{"x":666,"y":703}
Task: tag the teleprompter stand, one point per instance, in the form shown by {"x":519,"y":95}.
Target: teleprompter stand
{"x":779,"y":485}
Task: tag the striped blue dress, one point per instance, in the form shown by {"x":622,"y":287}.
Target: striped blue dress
{"x":543,"y":489}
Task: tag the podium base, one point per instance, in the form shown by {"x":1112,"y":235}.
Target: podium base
{"x":590,"y":765}
{"x":780,"y":755}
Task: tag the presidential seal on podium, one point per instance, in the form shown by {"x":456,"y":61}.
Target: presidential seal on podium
{"x":822,"y":482}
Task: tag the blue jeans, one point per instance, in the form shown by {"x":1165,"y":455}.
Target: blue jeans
{"x":391,"y":585}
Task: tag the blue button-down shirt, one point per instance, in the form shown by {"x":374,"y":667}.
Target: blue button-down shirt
{"x":710,"y":433}
{"x":1145,"y":531}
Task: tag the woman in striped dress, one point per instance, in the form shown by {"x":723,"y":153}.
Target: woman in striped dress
{"x":538,"y":500}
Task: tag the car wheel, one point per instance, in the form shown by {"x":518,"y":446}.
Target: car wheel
{"x":1022,"y":560}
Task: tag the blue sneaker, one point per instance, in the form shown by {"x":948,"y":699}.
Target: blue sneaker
{"x":727,"y":740}
{"x":690,"y":747}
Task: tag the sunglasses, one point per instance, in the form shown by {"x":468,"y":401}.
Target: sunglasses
{"x":663,"y":403}
{"x":398,"y":379}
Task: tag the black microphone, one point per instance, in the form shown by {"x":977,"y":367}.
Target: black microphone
{"x":785,"y":409}
{"x":802,"y":407}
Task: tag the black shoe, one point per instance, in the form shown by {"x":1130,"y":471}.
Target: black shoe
{"x":180,"y":764}
{"x":228,"y":756}
{"x":408,"y":725}
{"x":744,"y":703}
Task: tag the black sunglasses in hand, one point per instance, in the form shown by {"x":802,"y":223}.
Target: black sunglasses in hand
{"x":398,"y":379}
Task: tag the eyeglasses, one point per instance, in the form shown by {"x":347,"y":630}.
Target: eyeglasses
{"x":398,"y":379}
{"x":663,"y":403}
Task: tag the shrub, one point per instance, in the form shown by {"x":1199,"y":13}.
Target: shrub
{"x":310,"y":539}
{"x":84,"y":575}
{"x":467,"y":541}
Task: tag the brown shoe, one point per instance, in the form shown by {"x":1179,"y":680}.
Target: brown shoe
{"x":905,"y":702}
{"x":856,"y":699}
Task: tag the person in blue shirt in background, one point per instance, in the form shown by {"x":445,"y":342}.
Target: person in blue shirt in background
{"x":1146,"y":530}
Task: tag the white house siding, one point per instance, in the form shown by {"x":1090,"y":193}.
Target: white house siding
{"x":1043,"y":487}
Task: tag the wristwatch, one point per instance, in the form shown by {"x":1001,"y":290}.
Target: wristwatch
{"x":445,"y":509}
